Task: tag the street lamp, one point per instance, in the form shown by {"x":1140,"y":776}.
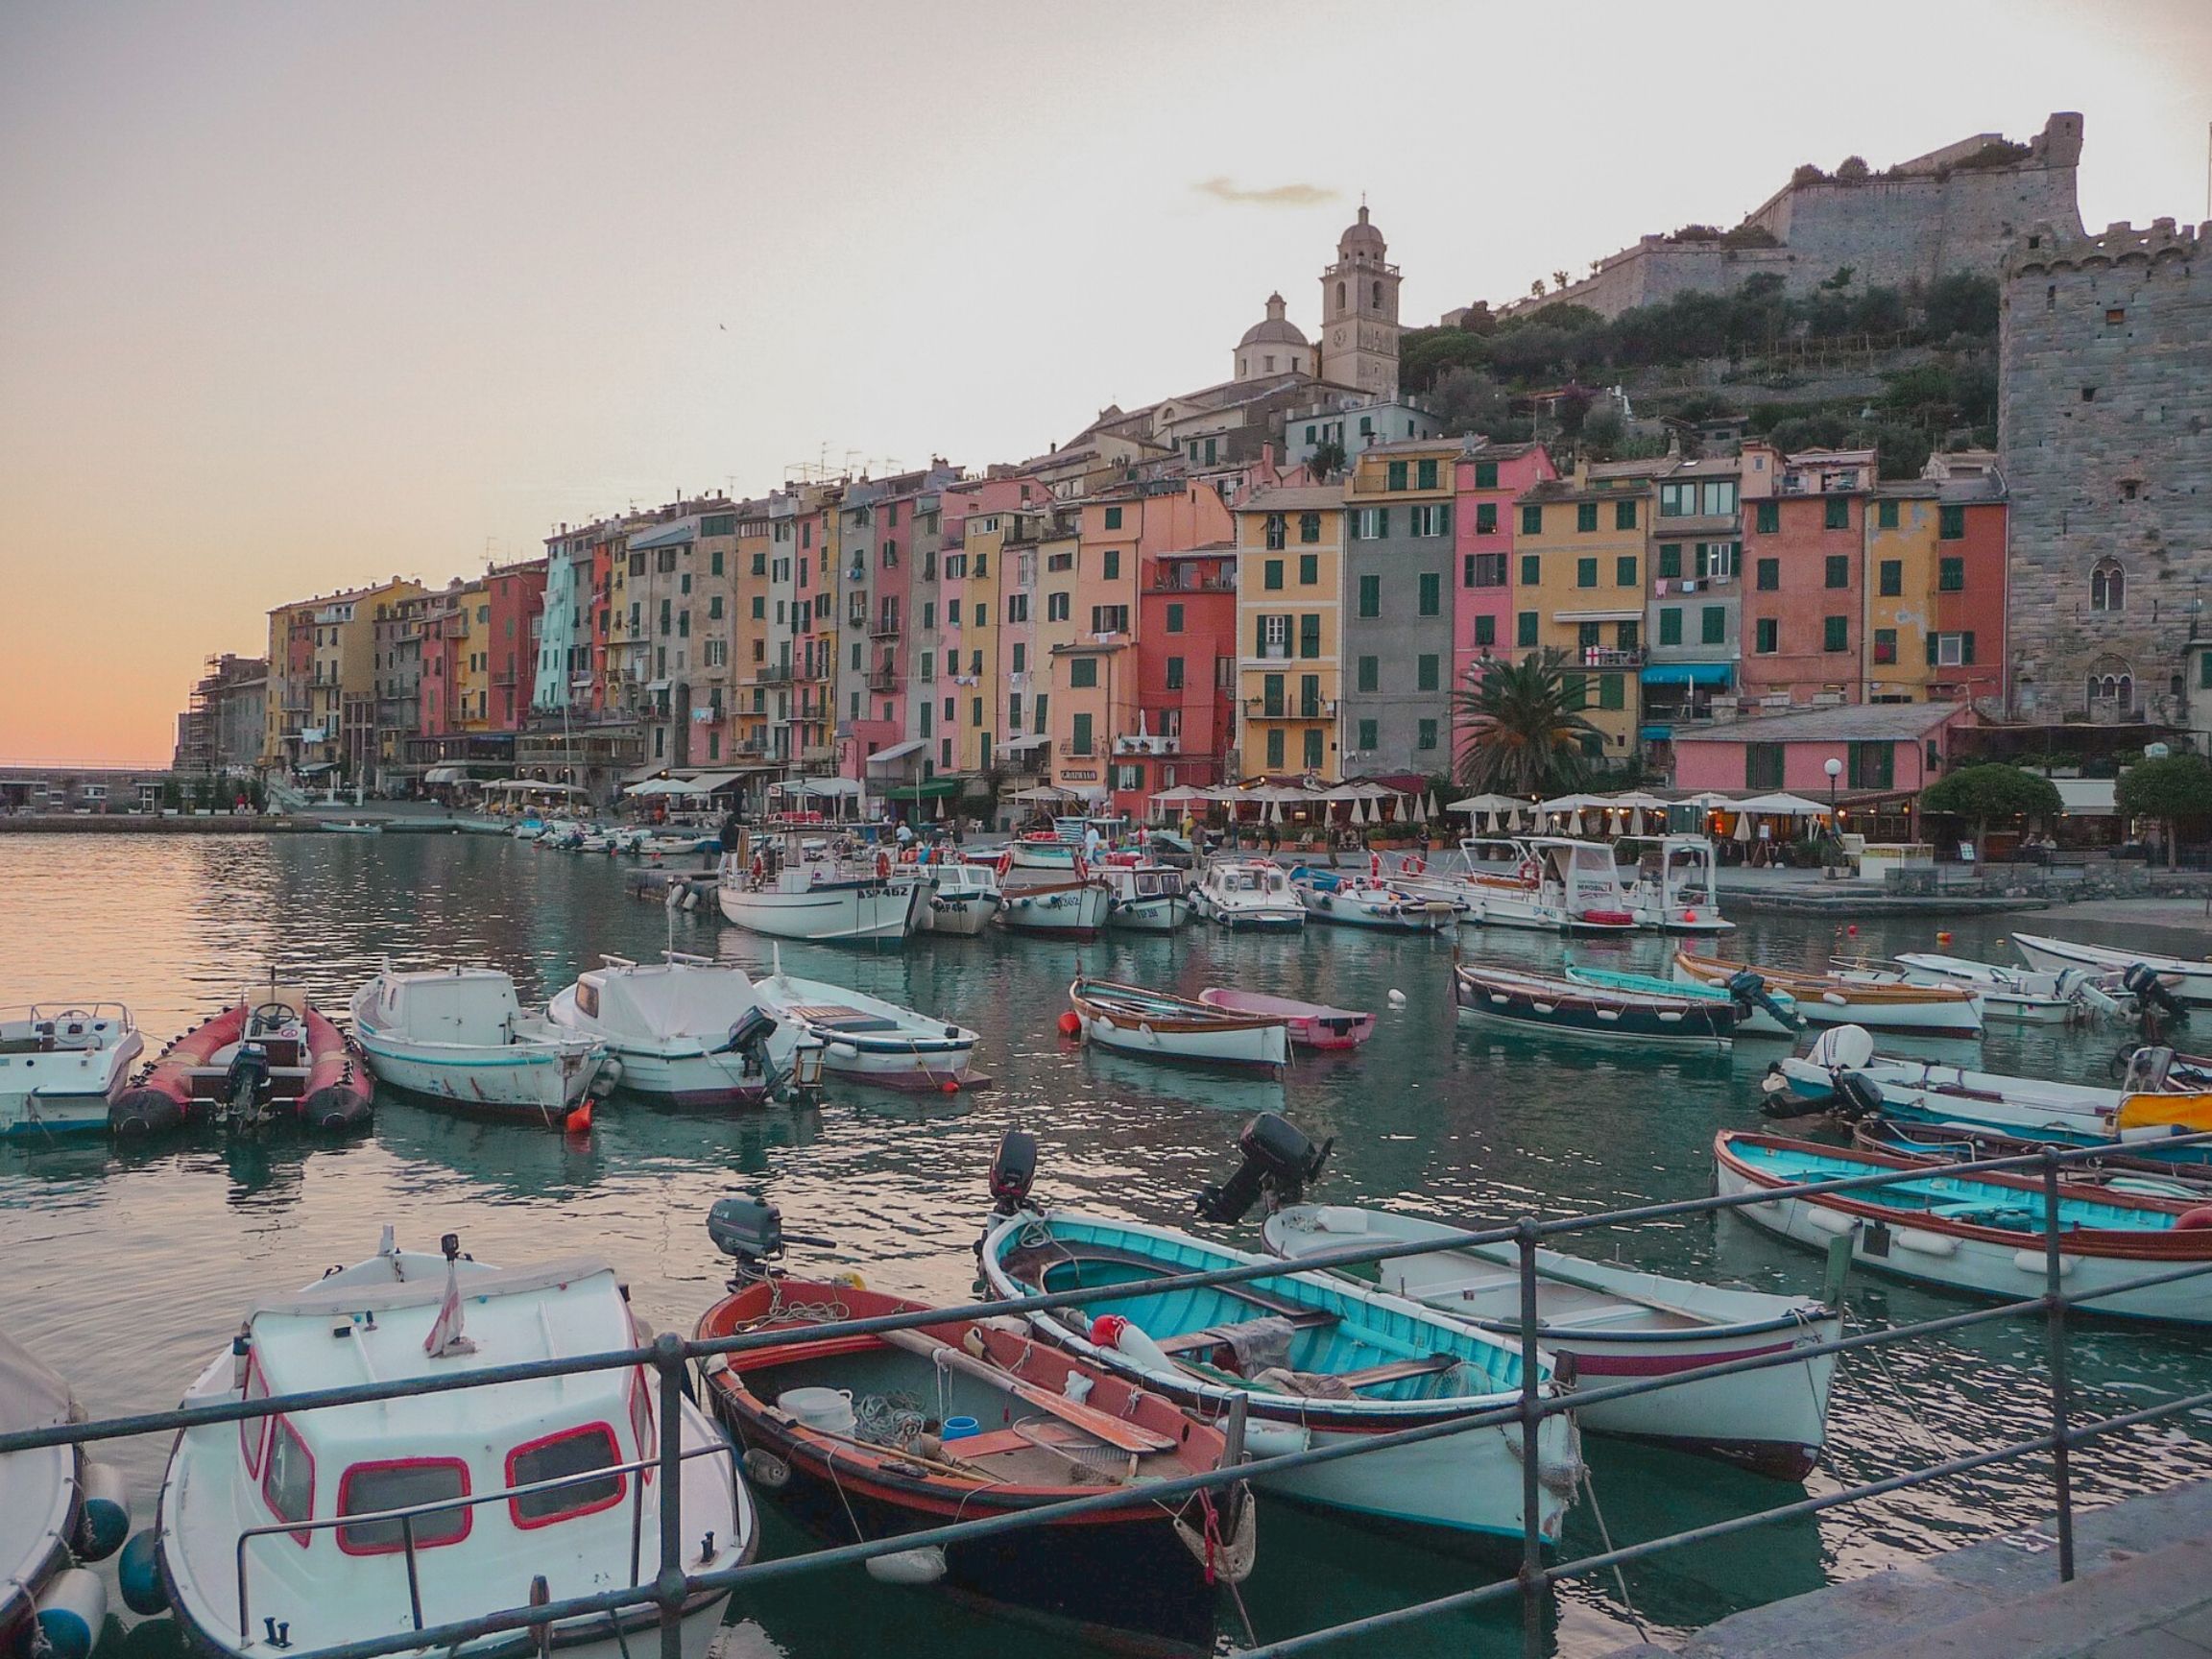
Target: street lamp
{"x":1835,"y":770}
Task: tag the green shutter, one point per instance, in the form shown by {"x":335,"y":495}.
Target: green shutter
{"x":1425,"y":475}
{"x":1623,"y":514}
{"x":1533,"y":520}
{"x":1670,"y":625}
{"x":1585,"y":516}
{"x":1951,"y":523}
{"x":1624,"y":571}
{"x":1309,"y":635}
{"x":1370,"y":595}
{"x":1370,"y":679}
{"x":1713,"y":625}
{"x":1431,"y":593}
{"x":1835,"y":634}
{"x":1966,"y":649}
{"x":1397,"y":474}
{"x":1425,"y":673}
{"x":1671,"y":560}
{"x":1886,"y":515}
{"x":1532,"y":570}
{"x":1271,"y":575}
{"x":1382,"y":522}
{"x":1525,"y":629}
{"x":1769,"y":517}
{"x":1485,"y":474}
{"x":1585,"y":572}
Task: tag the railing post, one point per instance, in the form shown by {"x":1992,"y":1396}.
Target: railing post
{"x":1532,"y":1469}
{"x":2061,"y":1387}
{"x":669,"y":1587}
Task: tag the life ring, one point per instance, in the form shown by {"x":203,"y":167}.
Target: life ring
{"x":1413,"y":867}
{"x":907,"y":855}
{"x":1373,"y":865}
{"x":1529,"y":871}
{"x":882,"y":864}
{"x":1005,"y":863}
{"x":1081,"y":869}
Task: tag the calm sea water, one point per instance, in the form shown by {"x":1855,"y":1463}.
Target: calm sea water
{"x":126,"y":1269}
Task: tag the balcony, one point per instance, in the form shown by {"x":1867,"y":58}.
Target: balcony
{"x":1076,"y":750}
{"x":884,"y":679}
{"x":1148,"y":743}
{"x":1670,"y":586}
{"x":1289,"y":708}
{"x":885,"y":628}
{"x":771,"y":674}
{"x":1167,"y":581}
{"x":1612,"y":656}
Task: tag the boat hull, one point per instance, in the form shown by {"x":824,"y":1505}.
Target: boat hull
{"x":870,"y":914}
{"x":1585,"y":1014}
{"x":1823,"y":1000}
{"x":65,"y":1091}
{"x":2191,"y":982}
{"x":1310,"y":1025}
{"x":1075,"y":911}
{"x":962,"y":915}
{"x":538,"y":1081}
{"x":1157,"y":914}
{"x":1394,"y":916}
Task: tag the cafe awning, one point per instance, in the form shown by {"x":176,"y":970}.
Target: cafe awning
{"x":899,"y":751}
{"x":1689,"y":673}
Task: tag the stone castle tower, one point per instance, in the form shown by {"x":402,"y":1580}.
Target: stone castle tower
{"x":1360,"y":314}
{"x":2105,"y":434}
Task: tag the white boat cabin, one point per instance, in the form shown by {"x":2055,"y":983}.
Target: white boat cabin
{"x":468,"y":1007}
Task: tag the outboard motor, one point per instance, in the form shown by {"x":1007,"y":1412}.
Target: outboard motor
{"x":2148,"y":1070}
{"x":247,"y":1082}
{"x":747,"y":1038}
{"x":1748,"y":991}
{"x":1277,"y":1163}
{"x":750,"y":1232}
{"x":1013,"y":1172}
{"x":2150,"y":991}
{"x":1857,"y":1097}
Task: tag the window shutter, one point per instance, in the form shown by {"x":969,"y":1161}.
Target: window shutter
{"x":1444,"y":520}
{"x":1931,"y":650}
{"x":1967,"y":648}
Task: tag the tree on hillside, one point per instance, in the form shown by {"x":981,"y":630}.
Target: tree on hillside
{"x":1603,"y":432}
{"x":1469,"y":400}
{"x":1327,"y":460}
{"x":1986,"y":794}
{"x":1524,"y":732}
{"x":1961,"y":303}
{"x":2174,"y":790}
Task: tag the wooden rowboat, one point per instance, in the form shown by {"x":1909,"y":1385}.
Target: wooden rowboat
{"x":1846,"y":999}
{"x":1542,"y":1002}
{"x":1162,"y":1027}
{"x":1312,"y":1024}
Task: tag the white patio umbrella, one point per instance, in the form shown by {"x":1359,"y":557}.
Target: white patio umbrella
{"x":940,"y":808}
{"x":1782,"y":805}
{"x":1420,"y":810}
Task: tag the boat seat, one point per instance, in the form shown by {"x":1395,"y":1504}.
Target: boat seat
{"x":1218,"y":1335}
{"x":993,"y":1444}
{"x":1373,"y":1376}
{"x":841,"y":1018}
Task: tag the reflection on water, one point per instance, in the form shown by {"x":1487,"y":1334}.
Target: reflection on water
{"x":127,"y":1265}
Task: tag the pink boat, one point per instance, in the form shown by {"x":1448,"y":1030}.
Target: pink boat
{"x":1312,"y":1024}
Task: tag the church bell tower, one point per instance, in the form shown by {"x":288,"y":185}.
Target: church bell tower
{"x":1360,"y":314}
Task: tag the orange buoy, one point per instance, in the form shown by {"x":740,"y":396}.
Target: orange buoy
{"x":948,"y":1087}
{"x":1942,"y":938}
{"x":2194,"y":1220}
{"x":1689,"y":915}
{"x":1070,"y":1024}
{"x":1853,"y":930}
{"x":578,"y":1122}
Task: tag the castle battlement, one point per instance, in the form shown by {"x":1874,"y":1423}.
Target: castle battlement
{"x":2047,"y":248}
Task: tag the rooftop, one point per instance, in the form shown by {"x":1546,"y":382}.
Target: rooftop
{"x":1292,"y":498}
{"x":1850,"y":723}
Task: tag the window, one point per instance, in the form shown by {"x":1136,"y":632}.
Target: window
{"x":1425,"y":734}
{"x":1525,"y":629}
{"x":1309,"y":569}
{"x":1113,"y":517}
{"x":1174,"y":679}
{"x":1081,"y":734}
{"x":1486,"y":633}
{"x":1585,"y":572}
{"x":1532,"y":570}
{"x":1670,"y":625}
{"x":1624,"y":571}
{"x":1369,"y":679}
{"x":1767,"y":519}
{"x":1627,"y":634}
{"x":1370,"y":595}
{"x":288,"y":1477}
{"x":1309,"y":526}
{"x":1951,"y":523}
{"x":1371,"y":737}
{"x":1485,"y":518}
{"x":1762,"y":766}
{"x":1623,"y":514}
{"x":1533,"y":520}
{"x":1311,"y":747}
{"x":1769,"y":575}
{"x":1021,"y":657}
{"x":366,"y":1488}
{"x":1274,"y":532}
{"x":1678,"y":500}
{"x":1397,"y":478}
{"x":1871,"y":765}
{"x":1835,"y":634}
{"x":1671,"y":560}
{"x":1274,"y":636}
{"x":2204,"y":671}
{"x":1612,"y":691}
{"x":1838,"y":570}
{"x":975,"y":711}
{"x":1275,"y":749}
{"x":1574,"y":691}
{"x":1425,"y":673}
{"x":1483,"y":569}
{"x":1485,"y":474}
{"x":1884,"y":644}
{"x":1432,"y":602}
{"x":1309,"y":635}
{"x":1585,"y":516}
{"x":1886,"y":515}
{"x":1951,"y":650}
{"x":1109,"y":565}
{"x":929,"y":666}
{"x":1174,"y":619}
{"x":1083,"y":672}
{"x":1371,"y":524}
{"x":1713,"y":625}
{"x":1271,"y":575}
{"x":1586,"y":635}
{"x":1425,"y":476}
{"x":1837,"y":515}
{"x":1057,"y":607}
{"x":1766,"y":637}
{"x":2107,"y":587}
{"x":1951,"y":575}
{"x":1430,"y":521}
{"x":1892,"y":578}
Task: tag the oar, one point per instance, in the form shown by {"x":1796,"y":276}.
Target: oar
{"x":1116,"y":1433}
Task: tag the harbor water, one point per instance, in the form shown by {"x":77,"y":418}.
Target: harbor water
{"x":128,"y":1267}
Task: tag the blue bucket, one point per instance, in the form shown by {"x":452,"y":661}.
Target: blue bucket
{"x":960,"y":1428}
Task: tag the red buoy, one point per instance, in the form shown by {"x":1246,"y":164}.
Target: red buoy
{"x":578,"y":1122}
{"x":948,"y":1087}
{"x":2194,"y":1220}
{"x":1853,"y":930}
{"x":1070,"y":1024}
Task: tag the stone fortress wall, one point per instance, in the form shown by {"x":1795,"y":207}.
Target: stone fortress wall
{"x":1926,"y":218}
{"x":2106,"y":438}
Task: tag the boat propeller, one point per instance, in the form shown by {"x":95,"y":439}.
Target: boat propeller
{"x":1278,"y":1162}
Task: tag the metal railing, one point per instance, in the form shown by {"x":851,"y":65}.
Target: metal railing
{"x":673,"y":1591}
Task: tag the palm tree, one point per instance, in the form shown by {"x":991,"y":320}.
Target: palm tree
{"x":1523,"y":729}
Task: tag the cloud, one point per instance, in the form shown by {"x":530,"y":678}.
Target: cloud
{"x":1273,"y":196}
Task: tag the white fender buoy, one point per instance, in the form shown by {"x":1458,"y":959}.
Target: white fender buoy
{"x":105,"y":1522}
{"x":923,"y":1566}
{"x":71,"y":1612}
{"x":1397,"y":998}
{"x":1265,"y":1439}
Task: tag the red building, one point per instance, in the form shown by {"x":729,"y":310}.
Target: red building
{"x":1805,"y":573}
{"x":1971,"y":595}
{"x":1186,"y":676}
{"x":517,"y":596}
{"x":1486,"y":483}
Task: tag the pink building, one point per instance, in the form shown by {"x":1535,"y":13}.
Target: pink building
{"x":1885,"y":749}
{"x":1486,"y":481}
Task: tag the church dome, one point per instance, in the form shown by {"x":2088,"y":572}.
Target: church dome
{"x":1273,"y":329}
{"x":1360,"y":238}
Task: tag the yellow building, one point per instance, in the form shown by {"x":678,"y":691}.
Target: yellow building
{"x":971,"y":686}
{"x":1578,"y":585}
{"x":1289,"y":616}
{"x":749,"y":632}
{"x":1903,"y":523}
{"x":323,"y":704}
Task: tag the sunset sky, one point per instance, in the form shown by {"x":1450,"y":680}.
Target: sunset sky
{"x":294,"y":296}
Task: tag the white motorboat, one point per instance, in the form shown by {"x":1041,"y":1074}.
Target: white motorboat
{"x":61,"y":1063}
{"x":461,"y":1035}
{"x":1853,"y":996}
{"x":957,"y":898}
{"x":825,"y":901}
{"x":1354,"y":900}
{"x":2031,"y":994}
{"x":1329,"y":1361}
{"x":58,"y":1509}
{"x":1162,"y":1027}
{"x":1072,"y":910}
{"x":1673,"y":890}
{"x":1147,"y":898}
{"x":2185,"y":980}
{"x":1554,"y":886}
{"x":1248,"y":895}
{"x":282,"y":1532}
{"x":872,"y":1041}
{"x":689,"y":1031}
{"x":1616,"y":1322}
